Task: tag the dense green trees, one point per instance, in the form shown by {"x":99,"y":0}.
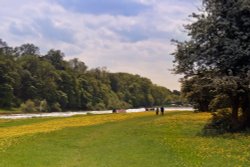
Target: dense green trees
{"x":49,"y":83}
{"x":9,"y":79}
{"x":218,"y":51}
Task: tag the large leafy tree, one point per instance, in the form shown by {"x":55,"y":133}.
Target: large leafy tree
{"x":26,"y":49}
{"x":219,"y":45}
{"x":56,"y":59}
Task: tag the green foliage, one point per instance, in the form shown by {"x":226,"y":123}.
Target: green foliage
{"x":138,"y":91}
{"x":26,"y":49}
{"x":220,"y":123}
{"x":219,"y":102}
{"x":62,"y":98}
{"x":99,"y":106}
{"x":55,"y":57}
{"x":199,"y":91}
{"x":58,"y":85}
{"x":9,"y":80}
{"x":218,"y":50}
{"x":6,"y":95}
{"x":56,"y":107}
{"x":29,"y":106}
{"x":43,"y":107}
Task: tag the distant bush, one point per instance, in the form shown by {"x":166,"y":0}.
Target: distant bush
{"x":55,"y":107}
{"x":43,"y":106}
{"x":28,"y":106}
{"x":99,"y":106}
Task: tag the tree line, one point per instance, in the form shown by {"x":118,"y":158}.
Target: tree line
{"x":215,"y":61}
{"x":51,"y":83}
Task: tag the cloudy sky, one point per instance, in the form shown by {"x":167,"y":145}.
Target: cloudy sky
{"x":123,"y":35}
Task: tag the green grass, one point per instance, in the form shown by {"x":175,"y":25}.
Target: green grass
{"x":145,"y":141}
{"x":19,"y":122}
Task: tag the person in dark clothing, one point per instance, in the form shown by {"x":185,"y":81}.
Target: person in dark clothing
{"x":157,"y":111}
{"x":114,"y":110}
{"x":162,"y":110}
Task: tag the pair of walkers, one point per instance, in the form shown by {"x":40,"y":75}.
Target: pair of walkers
{"x":161,"y":109}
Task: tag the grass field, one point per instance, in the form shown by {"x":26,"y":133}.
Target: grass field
{"x":119,"y":140}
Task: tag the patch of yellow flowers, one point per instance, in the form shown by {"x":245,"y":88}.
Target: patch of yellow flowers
{"x":8,"y":135}
{"x":183,"y":118}
{"x":233,"y":147}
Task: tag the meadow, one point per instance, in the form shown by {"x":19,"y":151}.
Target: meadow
{"x":117,"y":140}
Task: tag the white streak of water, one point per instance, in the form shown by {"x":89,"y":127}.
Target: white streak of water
{"x":69,"y":113}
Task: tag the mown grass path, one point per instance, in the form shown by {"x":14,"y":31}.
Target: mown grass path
{"x":119,"y":140}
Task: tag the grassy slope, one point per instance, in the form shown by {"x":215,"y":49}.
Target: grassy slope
{"x":144,"y":140}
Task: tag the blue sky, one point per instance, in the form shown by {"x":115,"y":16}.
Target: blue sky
{"x":110,"y":7}
{"x":123,"y":35}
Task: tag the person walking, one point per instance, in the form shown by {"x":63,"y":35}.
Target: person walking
{"x":162,"y":110}
{"x":157,"y":111}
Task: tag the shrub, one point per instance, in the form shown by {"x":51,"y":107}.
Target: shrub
{"x":56,"y":107}
{"x":28,"y":106}
{"x":219,"y":102}
{"x":99,"y":106}
{"x":220,"y":123}
{"x":43,"y":106}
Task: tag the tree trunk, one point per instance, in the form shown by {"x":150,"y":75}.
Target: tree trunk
{"x":246,"y":112}
{"x":247,"y":119}
{"x":235,"y":108}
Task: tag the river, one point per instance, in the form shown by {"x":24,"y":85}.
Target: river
{"x":70,"y":113}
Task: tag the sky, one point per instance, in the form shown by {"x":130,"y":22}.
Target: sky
{"x":131,"y":36}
